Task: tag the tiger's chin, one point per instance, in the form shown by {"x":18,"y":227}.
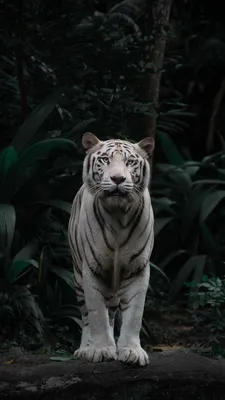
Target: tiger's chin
{"x":117,"y":200}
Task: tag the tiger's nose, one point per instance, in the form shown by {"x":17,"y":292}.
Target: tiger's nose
{"x":118,"y":179}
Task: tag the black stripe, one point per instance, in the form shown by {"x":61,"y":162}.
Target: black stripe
{"x":136,"y":222}
{"x":145,"y":227}
{"x":130,"y":220}
{"x":79,"y":291}
{"x":76,"y":242}
{"x":88,"y":163}
{"x":144,"y":170}
{"x":141,"y":249}
{"x":92,"y":166}
{"x":127,"y":302}
{"x":113,"y":308}
{"x":84,"y":253}
{"x":136,"y":272}
{"x":101,"y":223}
{"x":90,"y":229}
{"x":92,"y":252}
{"x":81,"y":303}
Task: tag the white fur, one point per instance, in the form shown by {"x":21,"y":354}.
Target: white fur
{"x":98,"y":343}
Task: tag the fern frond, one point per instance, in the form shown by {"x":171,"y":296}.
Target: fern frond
{"x":125,"y":18}
{"x":132,"y":8}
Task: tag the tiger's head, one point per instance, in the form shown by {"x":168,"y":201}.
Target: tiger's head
{"x":116,"y":170}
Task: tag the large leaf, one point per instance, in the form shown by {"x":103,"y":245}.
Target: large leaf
{"x":132,"y":8}
{"x":199,"y":270}
{"x":81,"y":127}
{"x":43,"y":148}
{"x":161,"y":223}
{"x":17,"y":268}
{"x":209,"y":182}
{"x":7,"y":226}
{"x":169,"y":149}
{"x":163,"y":204}
{"x":35,"y":120}
{"x":210,"y":202}
{"x":195,"y":265}
{"x":8,"y":157}
{"x":191,"y":209}
{"x":171,"y":257}
{"x":159,"y":271}
{"x":17,"y":174}
{"x":28,"y":251}
{"x":60,"y":204}
{"x":65,"y":275}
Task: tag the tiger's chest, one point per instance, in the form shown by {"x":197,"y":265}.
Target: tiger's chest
{"x":103,"y":240}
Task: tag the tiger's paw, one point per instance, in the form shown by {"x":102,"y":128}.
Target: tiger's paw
{"x":96,"y":354}
{"x":133,"y":355}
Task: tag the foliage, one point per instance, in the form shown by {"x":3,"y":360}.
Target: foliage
{"x":187,"y":202}
{"x":210,"y":294}
{"x":211,"y":291}
{"x":33,"y":224}
{"x":78,"y":67}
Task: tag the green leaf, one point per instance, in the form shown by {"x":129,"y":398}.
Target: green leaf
{"x":173,"y":155}
{"x":199,"y":270}
{"x":190,"y":215}
{"x":81,"y":127}
{"x":60,"y":204}
{"x":163,"y":204}
{"x":181,"y":178}
{"x":8,"y":157}
{"x":167,"y":260}
{"x":28,"y":251}
{"x":65,"y":275}
{"x":185,"y":271}
{"x":160,"y":271}
{"x":77,"y":320}
{"x":161,"y":223}
{"x":209,"y":244}
{"x":210,"y":202}
{"x":63,"y":359}
{"x":209,"y":182}
{"x":35,"y":120}
{"x":17,"y":175}
{"x":43,"y":148}
{"x":17,"y":268}
{"x":7,"y":226}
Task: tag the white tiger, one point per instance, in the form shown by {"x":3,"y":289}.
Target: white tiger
{"x":111,"y":235}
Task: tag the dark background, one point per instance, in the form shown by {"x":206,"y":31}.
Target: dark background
{"x":68,"y":67}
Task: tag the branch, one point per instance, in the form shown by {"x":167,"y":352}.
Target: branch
{"x":36,"y":375}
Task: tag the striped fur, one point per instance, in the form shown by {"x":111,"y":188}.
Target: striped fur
{"x":111,"y":233}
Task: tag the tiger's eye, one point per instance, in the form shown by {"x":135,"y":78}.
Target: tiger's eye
{"x":131,"y":162}
{"x":104,"y":160}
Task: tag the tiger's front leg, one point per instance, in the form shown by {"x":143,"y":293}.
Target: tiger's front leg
{"x":102,"y":346}
{"x":132,"y":301}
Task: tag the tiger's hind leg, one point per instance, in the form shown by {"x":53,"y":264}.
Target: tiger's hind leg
{"x":86,"y":335}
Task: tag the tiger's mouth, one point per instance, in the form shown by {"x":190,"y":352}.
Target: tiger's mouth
{"x":115,"y":193}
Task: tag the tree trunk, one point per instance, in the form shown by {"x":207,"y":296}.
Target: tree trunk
{"x":170,"y":375}
{"x":155,"y":23}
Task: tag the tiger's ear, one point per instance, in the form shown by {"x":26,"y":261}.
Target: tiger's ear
{"x":148,"y":145}
{"x":89,"y":140}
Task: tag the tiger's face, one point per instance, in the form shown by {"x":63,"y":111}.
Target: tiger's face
{"x":116,"y":170}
